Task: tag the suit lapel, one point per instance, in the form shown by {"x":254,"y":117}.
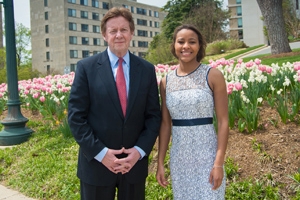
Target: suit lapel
{"x":135,"y":79}
{"x":107,"y":79}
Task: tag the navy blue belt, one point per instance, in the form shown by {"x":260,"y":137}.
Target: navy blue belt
{"x":192,"y":122}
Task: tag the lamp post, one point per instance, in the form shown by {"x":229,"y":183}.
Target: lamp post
{"x":14,"y":131}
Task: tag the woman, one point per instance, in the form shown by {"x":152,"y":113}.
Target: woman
{"x":190,"y":96}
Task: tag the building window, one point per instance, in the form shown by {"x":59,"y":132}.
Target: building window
{"x":46,"y":15}
{"x":96,"y":29}
{"x":96,"y":41}
{"x":297,"y":4}
{"x":141,"y":11}
{"x":72,"y":26}
{"x":84,"y":2}
{"x":240,"y":22}
{"x":105,"y":5}
{"x":156,"y":24}
{"x":71,"y":1}
{"x":96,"y":52}
{"x":238,"y":1}
{"x":142,"y":33}
{"x":85,"y":40}
{"x":46,"y":28}
{"x":150,"y":23}
{"x":156,"y":33}
{"x":150,"y":13}
{"x":95,"y":16}
{"x":84,"y":27}
{"x":73,"y":54}
{"x":71,"y":12}
{"x":48,"y":69}
{"x":142,"y":22}
{"x":47,"y":55}
{"x":95,"y":3}
{"x":133,"y":43}
{"x":125,"y":6}
{"x":72,"y":39}
{"x":47,"y":42}
{"x":142,"y":44}
{"x":151,"y":34}
{"x":155,"y":14}
{"x":105,"y":43}
{"x":85,"y":54}
{"x":239,"y":11}
{"x":132,"y":9}
{"x":240,"y":34}
{"x":84,"y":14}
{"x":72,"y":67}
{"x":45,"y":3}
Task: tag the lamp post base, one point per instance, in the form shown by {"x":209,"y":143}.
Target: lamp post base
{"x":14,"y":136}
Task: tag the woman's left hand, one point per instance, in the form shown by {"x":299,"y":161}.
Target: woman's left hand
{"x":216,"y":177}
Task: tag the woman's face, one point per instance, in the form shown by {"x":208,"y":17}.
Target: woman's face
{"x":186,"y":45}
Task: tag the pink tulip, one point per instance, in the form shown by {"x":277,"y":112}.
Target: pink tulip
{"x":257,"y":61}
{"x":269,"y":70}
{"x":238,"y":86}
{"x":229,"y":91}
{"x":262,"y":68}
{"x":35,"y":95}
{"x":42,"y":99}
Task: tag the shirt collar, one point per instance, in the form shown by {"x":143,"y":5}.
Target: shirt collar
{"x":114,"y":59}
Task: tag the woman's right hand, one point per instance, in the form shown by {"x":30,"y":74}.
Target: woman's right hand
{"x":160,"y":176}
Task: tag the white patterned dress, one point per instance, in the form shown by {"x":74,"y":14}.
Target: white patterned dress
{"x":189,"y":100}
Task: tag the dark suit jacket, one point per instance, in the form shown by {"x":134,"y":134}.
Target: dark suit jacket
{"x":96,"y":120}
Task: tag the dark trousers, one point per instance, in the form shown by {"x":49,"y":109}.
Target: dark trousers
{"x":125,"y":191}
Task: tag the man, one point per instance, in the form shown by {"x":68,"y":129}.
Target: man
{"x":115,"y":135}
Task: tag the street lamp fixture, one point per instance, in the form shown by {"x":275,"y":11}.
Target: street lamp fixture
{"x":15,"y":131}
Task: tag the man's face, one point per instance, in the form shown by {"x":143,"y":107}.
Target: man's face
{"x":118,"y":35}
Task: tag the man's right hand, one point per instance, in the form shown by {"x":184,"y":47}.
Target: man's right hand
{"x":109,"y":159}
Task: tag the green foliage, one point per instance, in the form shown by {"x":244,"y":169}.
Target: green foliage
{"x":216,"y":47}
{"x":178,"y":11}
{"x":44,"y":167}
{"x":64,"y":128}
{"x":155,"y":191}
{"x":23,"y":40}
{"x":159,"y":51}
{"x":212,"y":27}
{"x":231,"y":168}
{"x":26,"y":72}
{"x":251,"y":190}
{"x":2,"y":58}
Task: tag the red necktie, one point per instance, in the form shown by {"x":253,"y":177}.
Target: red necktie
{"x":121,"y":86}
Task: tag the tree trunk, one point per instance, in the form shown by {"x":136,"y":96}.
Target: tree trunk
{"x":273,"y":17}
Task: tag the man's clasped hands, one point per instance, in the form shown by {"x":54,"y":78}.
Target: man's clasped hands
{"x":121,"y":165}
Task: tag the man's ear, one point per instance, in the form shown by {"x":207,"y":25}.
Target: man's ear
{"x":103,"y":35}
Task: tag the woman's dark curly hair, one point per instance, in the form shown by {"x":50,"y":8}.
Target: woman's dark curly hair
{"x":202,"y":42}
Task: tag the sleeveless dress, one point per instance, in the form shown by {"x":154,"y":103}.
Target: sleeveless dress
{"x":189,"y":100}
